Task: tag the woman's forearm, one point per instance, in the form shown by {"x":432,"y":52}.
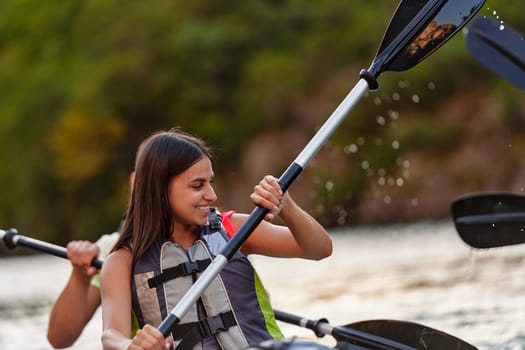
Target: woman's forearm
{"x":309,"y":234}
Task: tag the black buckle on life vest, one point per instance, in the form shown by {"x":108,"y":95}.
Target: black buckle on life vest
{"x":193,"y":332}
{"x":215,"y":324}
{"x":183,"y":269}
{"x":214,"y":220}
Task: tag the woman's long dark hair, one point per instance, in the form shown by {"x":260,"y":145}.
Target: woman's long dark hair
{"x":160,"y":157}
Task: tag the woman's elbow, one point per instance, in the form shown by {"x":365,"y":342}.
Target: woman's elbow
{"x":59,"y":341}
{"x":323,"y":250}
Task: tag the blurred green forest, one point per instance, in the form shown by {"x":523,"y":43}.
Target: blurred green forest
{"x":83,"y":82}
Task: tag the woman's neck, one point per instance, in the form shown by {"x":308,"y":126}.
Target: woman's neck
{"x":185,"y":235}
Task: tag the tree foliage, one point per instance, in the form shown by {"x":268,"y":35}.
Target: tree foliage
{"x":82,"y":83}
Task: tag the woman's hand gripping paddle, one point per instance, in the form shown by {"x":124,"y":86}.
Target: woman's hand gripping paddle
{"x":417,"y":29}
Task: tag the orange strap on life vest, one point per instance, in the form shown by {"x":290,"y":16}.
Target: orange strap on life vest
{"x":228,"y":226}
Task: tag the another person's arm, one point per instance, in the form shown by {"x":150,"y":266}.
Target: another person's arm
{"x":78,"y":301}
{"x":302,"y":237}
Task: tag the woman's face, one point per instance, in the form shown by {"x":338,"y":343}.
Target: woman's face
{"x":191,"y":194}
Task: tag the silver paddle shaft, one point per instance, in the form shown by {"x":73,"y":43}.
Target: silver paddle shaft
{"x":337,"y":117}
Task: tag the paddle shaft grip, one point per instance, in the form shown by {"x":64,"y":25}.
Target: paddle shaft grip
{"x":12,"y":239}
{"x":313,"y":325}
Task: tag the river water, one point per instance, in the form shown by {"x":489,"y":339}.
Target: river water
{"x":419,"y":272}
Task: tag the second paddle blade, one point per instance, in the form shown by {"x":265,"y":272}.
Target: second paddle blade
{"x":499,"y":48}
{"x":487,"y":220}
{"x":412,"y":334}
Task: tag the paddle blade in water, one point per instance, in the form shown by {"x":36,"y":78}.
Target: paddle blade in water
{"x":488,"y":220}
{"x":499,"y":48}
{"x":411,"y":334}
{"x":418,"y":28}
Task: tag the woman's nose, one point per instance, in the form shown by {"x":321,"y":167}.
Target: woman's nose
{"x":210,"y":194}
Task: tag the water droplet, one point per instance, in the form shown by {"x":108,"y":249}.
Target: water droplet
{"x":415,"y":98}
{"x":387,"y":199}
{"x":501,"y":27}
{"x":381,"y":120}
{"x":395,"y":144}
{"x":360,"y":141}
{"x":381,"y":181}
{"x":414,"y":202}
{"x":400,"y":182}
{"x":396,"y":96}
{"x":431,"y":86}
{"x":365,"y":164}
{"x":350,"y":148}
{"x":329,"y":185}
{"x":377,"y":101}
{"x":394,"y":115}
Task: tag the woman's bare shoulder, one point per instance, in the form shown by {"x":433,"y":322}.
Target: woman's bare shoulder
{"x":118,"y":259}
{"x":237,"y":219}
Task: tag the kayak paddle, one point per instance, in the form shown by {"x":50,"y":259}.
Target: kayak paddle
{"x":417,"y":29}
{"x":12,"y":239}
{"x":380,"y":334}
{"x":487,"y":220}
{"x":499,"y":48}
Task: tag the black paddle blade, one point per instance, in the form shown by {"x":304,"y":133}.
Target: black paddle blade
{"x":411,"y":334}
{"x":499,"y":48}
{"x":418,"y":28}
{"x":487,"y":220}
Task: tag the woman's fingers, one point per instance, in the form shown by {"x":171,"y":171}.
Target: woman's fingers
{"x":149,"y":338}
{"x":268,"y":194}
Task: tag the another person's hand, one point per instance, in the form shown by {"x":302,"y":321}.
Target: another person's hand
{"x":81,"y":254}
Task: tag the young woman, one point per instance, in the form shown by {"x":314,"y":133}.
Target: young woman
{"x":170,"y":235}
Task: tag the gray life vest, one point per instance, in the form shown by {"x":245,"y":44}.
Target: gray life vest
{"x":232,"y":313}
